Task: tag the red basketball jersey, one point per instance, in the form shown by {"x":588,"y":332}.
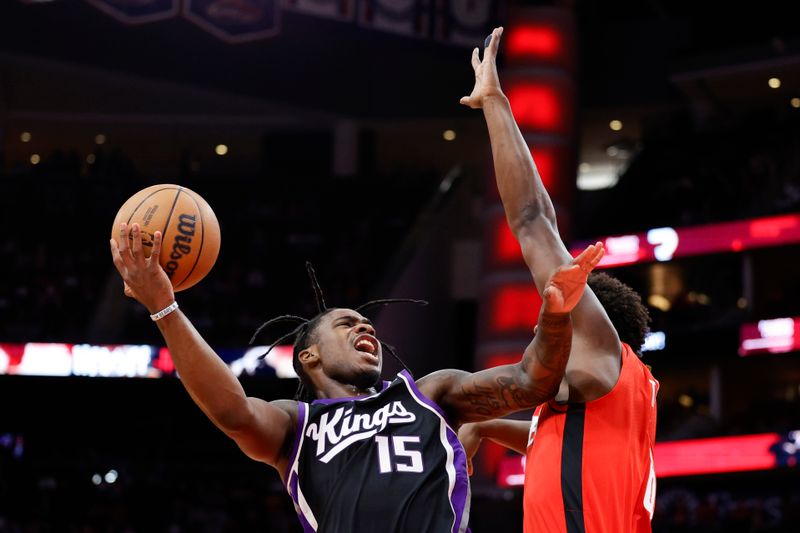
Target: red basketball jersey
{"x":589,"y":466}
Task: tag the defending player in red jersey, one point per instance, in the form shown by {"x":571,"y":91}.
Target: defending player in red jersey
{"x":589,"y":454}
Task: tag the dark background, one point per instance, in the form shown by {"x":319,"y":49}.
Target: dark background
{"x":337,"y":156}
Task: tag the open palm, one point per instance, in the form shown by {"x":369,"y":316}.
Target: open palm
{"x":487,"y":83}
{"x":565,"y":287}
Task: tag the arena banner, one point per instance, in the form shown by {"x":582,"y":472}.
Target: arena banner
{"x":773,"y":336}
{"x":235,"y":21}
{"x":464,"y":22}
{"x":331,"y":9}
{"x":664,"y":244}
{"x":411,"y":18}
{"x":138,"y":11}
{"x":126,"y":360}
{"x":698,"y":457}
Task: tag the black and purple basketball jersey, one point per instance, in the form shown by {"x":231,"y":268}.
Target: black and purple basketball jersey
{"x":384,"y":463}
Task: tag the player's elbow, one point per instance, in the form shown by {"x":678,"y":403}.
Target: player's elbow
{"x":531,"y":218}
{"x":539,"y":387}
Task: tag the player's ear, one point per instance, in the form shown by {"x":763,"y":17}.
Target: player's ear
{"x":310,"y":355}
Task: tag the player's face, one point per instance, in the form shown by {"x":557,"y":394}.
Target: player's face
{"x":349,"y":350}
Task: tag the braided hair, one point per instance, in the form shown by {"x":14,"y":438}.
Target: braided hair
{"x":305,"y":328}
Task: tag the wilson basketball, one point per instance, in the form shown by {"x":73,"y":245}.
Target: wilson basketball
{"x":189,"y":228}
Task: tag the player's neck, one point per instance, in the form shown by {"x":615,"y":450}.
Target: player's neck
{"x":334,"y":389}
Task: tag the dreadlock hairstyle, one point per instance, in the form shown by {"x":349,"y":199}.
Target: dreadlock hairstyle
{"x":624,"y":307}
{"x":304,"y":331}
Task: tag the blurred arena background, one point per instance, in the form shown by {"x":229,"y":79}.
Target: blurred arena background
{"x":330,"y":131}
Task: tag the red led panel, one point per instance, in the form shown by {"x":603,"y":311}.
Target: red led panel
{"x":501,"y":359}
{"x":718,"y":455}
{"x":715,"y":456}
{"x":664,"y":244}
{"x":514,"y":307}
{"x":505,"y":245}
{"x":533,"y":41}
{"x":777,"y":335}
{"x":536,"y":105}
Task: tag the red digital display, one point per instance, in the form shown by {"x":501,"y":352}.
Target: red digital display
{"x":778,"y":335}
{"x":539,"y":105}
{"x":514,"y":307}
{"x":533,"y":41}
{"x":665,"y":244}
{"x":694,"y":457}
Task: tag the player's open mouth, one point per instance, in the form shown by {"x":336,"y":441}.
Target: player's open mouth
{"x":367,"y":344}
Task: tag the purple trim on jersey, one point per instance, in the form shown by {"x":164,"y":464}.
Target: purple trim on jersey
{"x":421,"y":397}
{"x":458,"y":498}
{"x":307,"y":528}
{"x":298,"y":438}
{"x":328,"y":401}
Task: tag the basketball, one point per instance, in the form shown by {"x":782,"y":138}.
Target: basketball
{"x":189,"y":228}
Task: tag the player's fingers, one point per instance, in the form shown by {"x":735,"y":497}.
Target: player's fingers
{"x":116,"y":258}
{"x":599,"y":252}
{"x":476,"y":60}
{"x":136,"y":247}
{"x":469,"y":467}
{"x":154,"y":255}
{"x":491,"y":51}
{"x":465,"y":100}
{"x":123,"y":240}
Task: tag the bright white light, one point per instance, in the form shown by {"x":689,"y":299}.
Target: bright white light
{"x":99,"y":139}
{"x":45,"y":359}
{"x":584,"y":167}
{"x":777,"y":327}
{"x":774,"y":82}
{"x":655,"y":340}
{"x":96,"y":479}
{"x":280,"y":358}
{"x":221,"y":149}
{"x":25,"y":136}
{"x":4,"y":360}
{"x":515,"y":480}
{"x":596,"y":177}
{"x":35,"y":159}
{"x":623,"y":245}
{"x":665,"y":241}
{"x":615,"y":125}
{"x":449,"y":135}
{"x":114,"y":361}
{"x":111,"y":476}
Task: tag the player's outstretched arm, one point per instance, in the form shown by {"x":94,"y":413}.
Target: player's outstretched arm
{"x":536,"y":378}
{"x":532,"y":218}
{"x":258,"y":427}
{"x":512,"y":434}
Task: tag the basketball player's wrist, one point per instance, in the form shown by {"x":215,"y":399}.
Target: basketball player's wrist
{"x":550,"y":319}
{"x":160,"y":306}
{"x":494,"y":98}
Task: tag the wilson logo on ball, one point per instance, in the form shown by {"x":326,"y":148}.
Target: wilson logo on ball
{"x":181,"y":245}
{"x":188,"y":226}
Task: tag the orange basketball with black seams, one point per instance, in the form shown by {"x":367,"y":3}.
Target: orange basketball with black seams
{"x":190,"y":230}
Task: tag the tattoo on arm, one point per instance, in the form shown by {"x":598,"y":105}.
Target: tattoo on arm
{"x":502,"y":390}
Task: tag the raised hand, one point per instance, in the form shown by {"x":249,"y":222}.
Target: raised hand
{"x":565,"y":287}
{"x":143,"y":277}
{"x":487,"y":83}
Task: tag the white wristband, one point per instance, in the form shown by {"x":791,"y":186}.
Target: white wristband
{"x":164,"y":312}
